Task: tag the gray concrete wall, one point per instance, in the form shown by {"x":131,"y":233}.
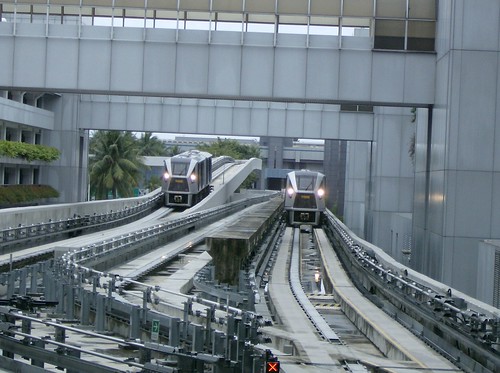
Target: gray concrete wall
{"x":16,"y":112}
{"x":392,"y":180}
{"x":488,"y":268}
{"x":357,"y":186}
{"x":459,"y":192}
{"x":26,"y":216}
{"x":69,"y":173}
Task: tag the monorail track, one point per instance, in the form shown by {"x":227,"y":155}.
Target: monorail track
{"x":313,"y":340}
{"x":452,"y":325}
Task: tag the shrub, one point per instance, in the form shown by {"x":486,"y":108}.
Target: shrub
{"x":11,"y":195}
{"x":29,"y":152}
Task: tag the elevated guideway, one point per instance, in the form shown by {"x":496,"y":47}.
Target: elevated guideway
{"x":312,"y":352}
{"x":37,"y":224}
{"x":227,"y":179}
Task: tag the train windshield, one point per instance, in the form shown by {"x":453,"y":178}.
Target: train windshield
{"x":306,"y":182}
{"x":180,"y":167}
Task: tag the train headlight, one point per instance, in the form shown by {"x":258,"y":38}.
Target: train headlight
{"x":166,"y":176}
{"x":192,"y":178}
{"x":321,"y":192}
{"x":290,"y":192}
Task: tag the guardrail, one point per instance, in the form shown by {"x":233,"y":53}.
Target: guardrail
{"x":468,"y":335}
{"x":77,"y":289}
{"x":15,"y":237}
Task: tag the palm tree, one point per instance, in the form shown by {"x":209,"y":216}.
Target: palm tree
{"x":115,"y":164}
{"x":174,"y":150}
{"x":150,"y":145}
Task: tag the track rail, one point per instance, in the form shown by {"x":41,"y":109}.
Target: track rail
{"x":295,"y":284}
{"x":467,"y":336}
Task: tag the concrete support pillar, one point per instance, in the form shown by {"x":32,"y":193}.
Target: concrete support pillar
{"x":23,"y":274}
{"x":11,"y":285}
{"x":197,"y":338}
{"x":17,"y":96}
{"x":34,"y":279}
{"x":145,"y":355}
{"x":60,"y":290}
{"x":84,"y":307}
{"x":135,"y":323}
{"x":174,"y":332}
{"x":26,"y":326}
{"x":100,"y":313}
{"x":74,"y":353}
{"x":70,"y":302}
{"x":60,"y":336}
{"x":49,"y":285}
{"x":40,"y":344}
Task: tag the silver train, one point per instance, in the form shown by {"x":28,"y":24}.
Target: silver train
{"x":187,"y":178}
{"x":305,"y":197}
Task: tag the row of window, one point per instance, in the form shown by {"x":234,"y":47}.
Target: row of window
{"x":393,"y":25}
{"x":30,"y":136}
{"x":416,"y":9}
{"x":13,"y":175}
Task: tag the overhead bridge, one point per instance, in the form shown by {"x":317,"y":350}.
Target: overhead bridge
{"x":164,"y":80}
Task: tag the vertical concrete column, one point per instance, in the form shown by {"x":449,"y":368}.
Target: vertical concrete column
{"x":74,"y":353}
{"x":100,"y":313}
{"x":11,"y":285}
{"x":84,"y":307}
{"x":197,"y":339}
{"x":242,"y":331}
{"x":174,"y":332}
{"x":208,"y":329}
{"x":70,"y":302}
{"x":135,"y":322}
{"x":40,"y":344}
{"x":34,"y":279}
{"x":188,"y":310}
{"x":218,"y":343}
{"x":145,"y":355}
{"x":49,"y":285}
{"x":26,"y":327}
{"x":23,"y":274}
{"x":60,"y":290}
{"x":18,"y":97}
{"x":146,"y":297}
{"x":60,"y":336}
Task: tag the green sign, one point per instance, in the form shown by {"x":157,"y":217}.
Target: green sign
{"x":155,"y":330}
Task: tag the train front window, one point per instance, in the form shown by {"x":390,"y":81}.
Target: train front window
{"x":180,"y":168}
{"x":306,"y":182}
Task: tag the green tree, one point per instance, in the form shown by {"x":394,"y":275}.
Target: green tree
{"x":115,"y":164}
{"x":150,"y":145}
{"x":173,"y":150}
{"x":154,"y":182}
{"x":232,"y":148}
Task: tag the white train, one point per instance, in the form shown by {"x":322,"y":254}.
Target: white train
{"x":305,"y":197}
{"x":187,"y":178}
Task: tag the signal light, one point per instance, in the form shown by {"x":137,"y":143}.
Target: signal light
{"x":272,"y":366}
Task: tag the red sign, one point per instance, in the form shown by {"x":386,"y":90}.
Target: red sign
{"x":272,"y":367}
